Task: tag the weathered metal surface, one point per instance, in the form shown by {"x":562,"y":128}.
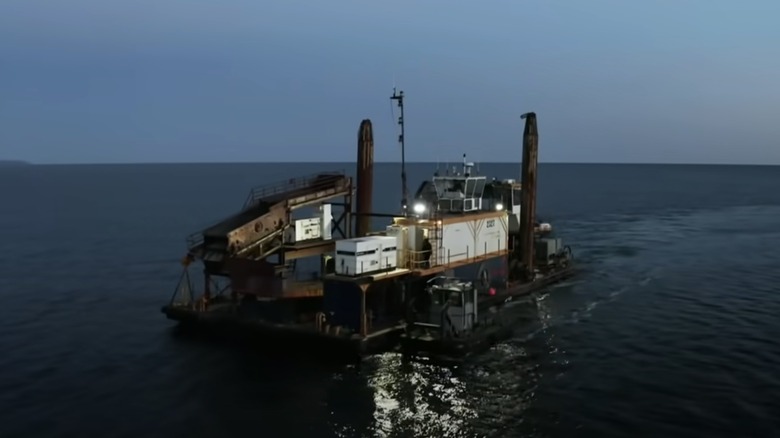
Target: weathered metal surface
{"x":365,"y":177}
{"x":271,"y":222}
{"x":303,"y":250}
{"x":528,"y":194}
{"x":267,"y":212}
{"x":282,"y":189}
{"x":260,"y":278}
{"x":276,"y":217}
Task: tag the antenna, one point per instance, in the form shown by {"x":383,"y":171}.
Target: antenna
{"x":399,"y":96}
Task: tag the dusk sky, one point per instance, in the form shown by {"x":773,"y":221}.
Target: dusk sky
{"x":671,"y":81}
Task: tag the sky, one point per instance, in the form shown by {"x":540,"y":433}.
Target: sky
{"x":663,"y":81}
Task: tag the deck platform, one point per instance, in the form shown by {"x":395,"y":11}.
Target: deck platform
{"x":225,"y":317}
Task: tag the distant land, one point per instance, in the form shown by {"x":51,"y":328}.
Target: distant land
{"x":20,"y":163}
{"x":14,"y":163}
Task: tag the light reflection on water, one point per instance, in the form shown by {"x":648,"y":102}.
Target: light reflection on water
{"x":413,"y":398}
{"x":491,"y":394}
{"x":419,"y":398}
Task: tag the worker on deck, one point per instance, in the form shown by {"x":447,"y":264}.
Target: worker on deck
{"x":426,"y":254}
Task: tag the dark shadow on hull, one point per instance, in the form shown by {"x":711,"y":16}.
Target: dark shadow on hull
{"x":274,"y":347}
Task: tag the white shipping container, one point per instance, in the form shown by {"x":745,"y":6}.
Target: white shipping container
{"x":311,"y":228}
{"x":388,"y":249}
{"x":399,"y":232}
{"x":356,"y":245}
{"x":365,"y":255}
{"x":305,"y":229}
{"x":354,"y":256}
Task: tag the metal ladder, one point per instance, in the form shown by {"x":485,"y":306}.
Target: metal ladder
{"x":435,"y":238}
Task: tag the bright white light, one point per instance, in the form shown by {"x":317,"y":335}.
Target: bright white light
{"x":419,"y":208}
{"x":499,"y":206}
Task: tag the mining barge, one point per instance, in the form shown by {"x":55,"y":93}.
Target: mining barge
{"x":368,"y":285}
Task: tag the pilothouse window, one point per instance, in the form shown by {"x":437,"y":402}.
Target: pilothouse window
{"x":453,"y":297}
{"x":516,"y":197}
{"x":468,"y":297}
{"x":471,"y":185}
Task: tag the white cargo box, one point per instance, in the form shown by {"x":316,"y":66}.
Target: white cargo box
{"x":356,"y":245}
{"x":365,"y":255}
{"x":386,"y":241}
{"x":319,"y":227}
{"x":304,"y":229}
{"x":388,"y":246}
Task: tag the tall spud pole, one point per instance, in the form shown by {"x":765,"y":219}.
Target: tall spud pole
{"x":528,"y":191}
{"x":365,"y":177}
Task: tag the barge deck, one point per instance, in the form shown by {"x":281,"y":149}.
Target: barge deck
{"x":224,"y":317}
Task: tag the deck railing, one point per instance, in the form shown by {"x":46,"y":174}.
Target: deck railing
{"x":314,"y":181}
{"x":419,"y":260}
{"x":321,"y":179}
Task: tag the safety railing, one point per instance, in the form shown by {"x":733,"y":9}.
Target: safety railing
{"x":313,"y":181}
{"x":420,"y":260}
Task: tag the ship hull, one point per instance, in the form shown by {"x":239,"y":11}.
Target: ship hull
{"x":418,"y":344}
{"x":292,"y":334}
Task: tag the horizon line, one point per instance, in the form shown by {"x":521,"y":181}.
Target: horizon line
{"x":22,"y":163}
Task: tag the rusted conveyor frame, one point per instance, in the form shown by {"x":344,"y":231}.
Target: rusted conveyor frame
{"x":290,"y":205}
{"x":272,"y":191}
{"x":326,"y":185}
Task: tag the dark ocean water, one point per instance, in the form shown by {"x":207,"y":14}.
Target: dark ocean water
{"x":671,"y":330}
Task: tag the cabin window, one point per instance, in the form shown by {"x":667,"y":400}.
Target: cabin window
{"x":457,"y":187}
{"x":388,"y":249}
{"x":516,"y":197}
{"x":452,"y":297}
{"x":442,"y":297}
{"x":471,"y":185}
{"x":468,"y":297}
{"x":480,"y":189}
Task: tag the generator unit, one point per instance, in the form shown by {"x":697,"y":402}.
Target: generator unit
{"x":366,"y":255}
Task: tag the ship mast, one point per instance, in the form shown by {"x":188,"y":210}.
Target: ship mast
{"x":399,"y":96}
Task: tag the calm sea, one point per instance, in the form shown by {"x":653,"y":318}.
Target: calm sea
{"x":671,"y":330}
